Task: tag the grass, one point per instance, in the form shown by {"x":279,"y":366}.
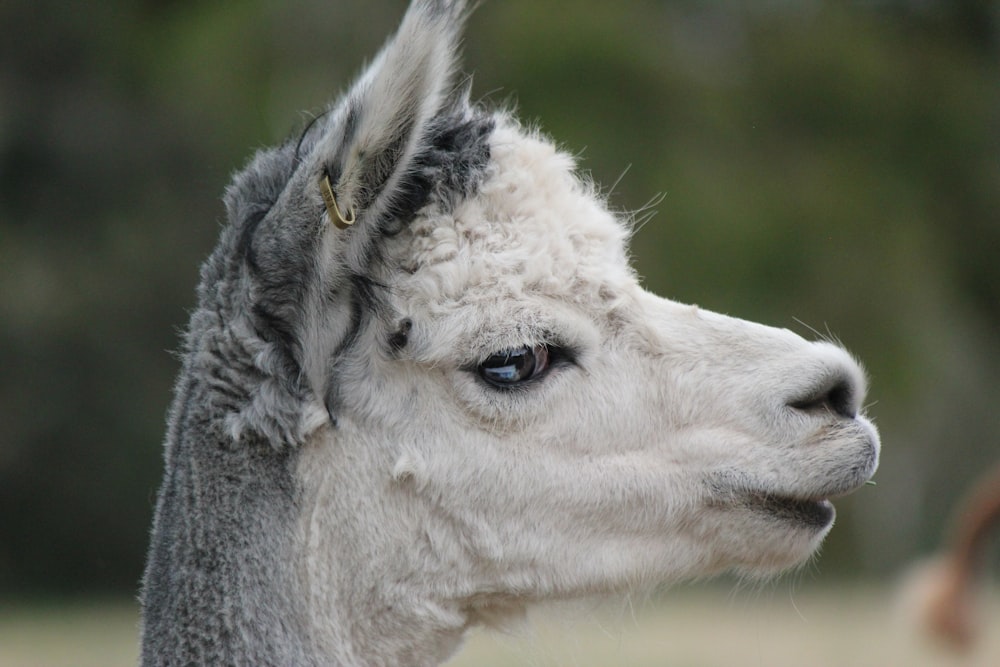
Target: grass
{"x":79,"y":634}
{"x":847,"y":627}
{"x":694,"y":627}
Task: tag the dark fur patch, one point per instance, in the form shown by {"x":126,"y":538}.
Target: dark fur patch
{"x":366,"y":299}
{"x":450,"y":165}
{"x":401,"y":336}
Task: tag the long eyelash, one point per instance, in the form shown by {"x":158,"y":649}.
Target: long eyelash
{"x":305,"y":132}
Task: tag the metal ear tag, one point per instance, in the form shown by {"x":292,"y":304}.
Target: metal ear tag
{"x":332,"y":209}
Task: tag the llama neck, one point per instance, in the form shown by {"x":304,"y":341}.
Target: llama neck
{"x":267,"y":557}
{"x":218,"y":588}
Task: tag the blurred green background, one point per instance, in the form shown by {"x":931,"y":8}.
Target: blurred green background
{"x":817,"y":165}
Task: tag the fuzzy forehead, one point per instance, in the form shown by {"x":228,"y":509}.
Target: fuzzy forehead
{"x":534,"y":232}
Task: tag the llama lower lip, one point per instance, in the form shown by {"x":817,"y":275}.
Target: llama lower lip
{"x":811,"y":512}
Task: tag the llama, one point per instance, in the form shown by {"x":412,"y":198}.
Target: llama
{"x":423,"y":389}
{"x":944,"y":589}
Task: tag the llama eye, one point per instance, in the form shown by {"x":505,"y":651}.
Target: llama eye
{"x":515,"y":367}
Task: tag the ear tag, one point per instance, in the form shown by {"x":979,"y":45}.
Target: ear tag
{"x":332,"y":209}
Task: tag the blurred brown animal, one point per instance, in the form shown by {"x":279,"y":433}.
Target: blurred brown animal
{"x":948,"y":595}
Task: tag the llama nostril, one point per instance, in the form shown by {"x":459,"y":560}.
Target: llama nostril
{"x":836,"y":397}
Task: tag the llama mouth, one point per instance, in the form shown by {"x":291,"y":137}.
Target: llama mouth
{"x":814,"y":512}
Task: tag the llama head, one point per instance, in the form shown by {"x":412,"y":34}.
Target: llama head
{"x":477,"y":390}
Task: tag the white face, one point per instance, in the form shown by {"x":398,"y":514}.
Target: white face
{"x":570,"y":432}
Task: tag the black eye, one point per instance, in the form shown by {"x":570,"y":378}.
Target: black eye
{"x":515,"y":367}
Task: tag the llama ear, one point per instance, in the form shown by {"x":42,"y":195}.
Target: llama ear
{"x":374,"y":132}
{"x":307,"y":291}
